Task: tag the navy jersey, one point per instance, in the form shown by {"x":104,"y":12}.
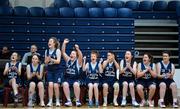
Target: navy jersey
{"x":51,"y":66}
{"x":165,"y":70}
{"x":109,"y":73}
{"x":93,"y":74}
{"x":147,"y":75}
{"x":35,"y":70}
{"x":13,"y":73}
{"x":72,"y":71}
{"x":128,"y":72}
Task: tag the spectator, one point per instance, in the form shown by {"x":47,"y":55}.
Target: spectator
{"x":5,"y":53}
{"x":28,"y":56}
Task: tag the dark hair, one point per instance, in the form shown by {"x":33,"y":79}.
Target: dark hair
{"x":95,"y":52}
{"x":35,"y":54}
{"x":150,"y":56}
{"x":115,"y":56}
{"x":57,"y":44}
{"x":132,"y":59}
{"x":166,"y":52}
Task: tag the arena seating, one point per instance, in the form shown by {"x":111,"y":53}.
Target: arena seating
{"x":98,"y":25}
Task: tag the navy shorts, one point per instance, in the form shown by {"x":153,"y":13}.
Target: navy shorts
{"x":92,"y":81}
{"x":18,"y":81}
{"x":35,"y":80}
{"x":55,"y":76}
{"x":166,"y":81}
{"x":146,"y":83}
{"x":110,"y":83}
{"x":71,"y":81}
{"x":128,"y":80}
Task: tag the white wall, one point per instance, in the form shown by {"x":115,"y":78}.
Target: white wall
{"x":177,"y":78}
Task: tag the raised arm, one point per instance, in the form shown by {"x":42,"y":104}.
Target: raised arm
{"x":80,"y":56}
{"x":63,"y":49}
{"x":84,"y":63}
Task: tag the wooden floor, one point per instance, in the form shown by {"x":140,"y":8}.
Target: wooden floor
{"x":10,"y":106}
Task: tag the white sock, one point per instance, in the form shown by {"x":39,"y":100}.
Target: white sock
{"x":50,"y":100}
{"x":175,"y":100}
{"x":57,"y":99}
{"x":105,"y":99}
{"x":161,"y":100}
{"x":124,"y":98}
{"x":77,"y":99}
{"x":133,"y":99}
{"x":69,"y":99}
{"x":115,"y":98}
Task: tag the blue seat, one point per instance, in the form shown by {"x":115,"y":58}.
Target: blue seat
{"x":6,"y":11}
{"x":81,"y":12}
{"x":66,"y":12}
{"x":51,"y":12}
{"x":178,"y":12}
{"x":146,"y":5}
{"x":134,"y":5}
{"x":103,"y":4}
{"x":110,"y":12}
{"x":75,"y":3}
{"x":95,"y":12}
{"x":61,"y":3}
{"x":89,"y":3}
{"x":4,"y":2}
{"x":21,"y":11}
{"x":36,"y":11}
{"x":160,"y":5}
{"x":172,"y":5}
{"x":117,"y":4}
{"x":124,"y":13}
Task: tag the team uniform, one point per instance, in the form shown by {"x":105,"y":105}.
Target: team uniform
{"x":128,"y":76}
{"x":13,"y":74}
{"x":72,"y":72}
{"x":147,"y":79}
{"x":109,"y":74}
{"x":92,"y":73}
{"x":53,"y":70}
{"x":164,"y":70}
{"x":37,"y":69}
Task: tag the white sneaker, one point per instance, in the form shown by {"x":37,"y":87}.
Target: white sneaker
{"x":175,"y":105}
{"x":115,"y":103}
{"x":151,"y":103}
{"x":105,"y":104}
{"x":142,"y":103}
{"x":30,"y":103}
{"x":123,"y":103}
{"x":135,"y":104}
{"x":50,"y":104}
{"x":42,"y":104}
{"x":58,"y":104}
{"x":78,"y":103}
{"x":161,"y":104}
{"x":68,"y":104}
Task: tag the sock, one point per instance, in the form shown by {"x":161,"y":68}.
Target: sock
{"x":97,"y":100}
{"x":50,"y":100}
{"x":15,"y":92}
{"x":124,"y":98}
{"x":175,"y":100}
{"x":133,"y":99}
{"x":105,"y":99}
{"x":115,"y":98}
{"x":57,"y":99}
{"x":161,"y":100}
